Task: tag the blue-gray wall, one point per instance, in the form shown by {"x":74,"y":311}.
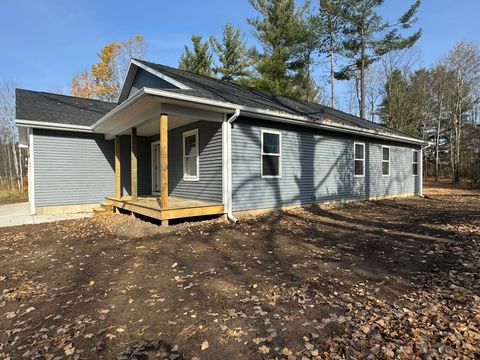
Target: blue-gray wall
{"x":209,"y":186}
{"x":144,"y":177}
{"x":145,"y":79}
{"x":72,"y":168}
{"x":317,"y":166}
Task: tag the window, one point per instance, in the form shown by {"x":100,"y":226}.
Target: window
{"x":415,"y":162}
{"x":271,"y":154}
{"x":359,"y":159}
{"x":190,"y":155}
{"x":385,"y":160}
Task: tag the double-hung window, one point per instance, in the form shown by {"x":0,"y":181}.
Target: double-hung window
{"x":359,"y":157}
{"x":271,"y":153}
{"x":415,"y":162}
{"x":385,"y":160}
{"x":190,"y":155}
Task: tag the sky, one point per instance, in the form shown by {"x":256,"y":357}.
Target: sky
{"x":44,"y":43}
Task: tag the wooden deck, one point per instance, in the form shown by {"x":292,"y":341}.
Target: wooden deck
{"x":177,"y":207}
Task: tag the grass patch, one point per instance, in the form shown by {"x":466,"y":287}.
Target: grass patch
{"x":10,"y":196}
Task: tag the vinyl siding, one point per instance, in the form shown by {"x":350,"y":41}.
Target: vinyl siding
{"x":145,"y":79}
{"x":72,"y":168}
{"x":144,"y":180}
{"x":209,"y":186}
{"x":316,"y":166}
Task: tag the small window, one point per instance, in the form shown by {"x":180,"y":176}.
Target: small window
{"x":271,"y":154}
{"x":415,"y":162}
{"x":190,"y":155}
{"x":385,"y":161}
{"x":359,"y":159}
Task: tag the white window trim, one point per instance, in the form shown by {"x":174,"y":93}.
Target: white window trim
{"x":280,"y":169}
{"x":413,"y":162}
{"x":355,"y":158}
{"x":389,"y":158}
{"x":185,"y":176}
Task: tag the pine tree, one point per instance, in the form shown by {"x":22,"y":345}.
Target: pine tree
{"x":396,"y":107}
{"x":233,"y":54}
{"x":304,"y":54}
{"x":199,"y":59}
{"x":278,"y":28}
{"x":330,"y":36}
{"x":367,"y":36}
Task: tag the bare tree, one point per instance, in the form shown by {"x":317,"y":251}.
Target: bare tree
{"x":464,"y":62}
{"x":12,"y":166}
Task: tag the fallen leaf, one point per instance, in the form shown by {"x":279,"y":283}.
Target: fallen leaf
{"x":264,"y":349}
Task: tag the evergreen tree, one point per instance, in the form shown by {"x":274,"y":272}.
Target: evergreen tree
{"x":278,"y":28}
{"x":330,"y":36}
{"x":233,"y":55}
{"x":198,"y":59}
{"x":304,"y":55}
{"x":396,"y":107}
{"x":367,"y":36}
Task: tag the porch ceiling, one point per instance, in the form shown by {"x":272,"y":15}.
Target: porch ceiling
{"x":143,"y":112}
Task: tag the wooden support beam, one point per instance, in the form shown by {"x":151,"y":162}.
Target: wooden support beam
{"x":118,"y":176}
{"x":134,"y":171}
{"x":164,"y":161}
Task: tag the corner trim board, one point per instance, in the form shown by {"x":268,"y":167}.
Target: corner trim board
{"x":31,"y":173}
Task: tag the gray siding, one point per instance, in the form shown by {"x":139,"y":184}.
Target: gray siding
{"x":317,"y":166}
{"x":145,"y":79}
{"x":209,"y":186}
{"x":72,"y":168}
{"x":144,"y":173}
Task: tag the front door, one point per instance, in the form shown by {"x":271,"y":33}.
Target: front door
{"x":156,"y":168}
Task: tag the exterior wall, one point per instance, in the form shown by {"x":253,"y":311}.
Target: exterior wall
{"x":72,"y":168}
{"x":209,"y":185}
{"x":145,"y":79}
{"x":317,"y":166}
{"x":144,"y":177}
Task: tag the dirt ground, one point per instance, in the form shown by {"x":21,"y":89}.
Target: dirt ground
{"x":379,"y":279}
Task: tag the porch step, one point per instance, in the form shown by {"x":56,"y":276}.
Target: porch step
{"x":107,"y":205}
{"x":105,"y":208}
{"x":100,"y":211}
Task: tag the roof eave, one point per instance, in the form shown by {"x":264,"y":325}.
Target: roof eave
{"x":51,"y":125}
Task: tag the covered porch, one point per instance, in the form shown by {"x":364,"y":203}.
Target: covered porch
{"x":168,"y":165}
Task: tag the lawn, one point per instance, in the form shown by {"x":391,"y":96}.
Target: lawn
{"x":386,"y":279}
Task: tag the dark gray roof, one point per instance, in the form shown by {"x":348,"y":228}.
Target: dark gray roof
{"x":55,"y":108}
{"x":214,"y":89}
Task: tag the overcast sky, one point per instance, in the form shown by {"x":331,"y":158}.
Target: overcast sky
{"x":44,"y":43}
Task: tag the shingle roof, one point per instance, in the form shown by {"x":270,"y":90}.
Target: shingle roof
{"x":55,"y":108}
{"x":214,"y":89}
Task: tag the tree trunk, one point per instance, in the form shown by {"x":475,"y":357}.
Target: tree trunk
{"x":332,"y":74}
{"x":20,"y":163}
{"x":437,"y":146}
{"x":9,"y":166}
{"x":15,"y":162}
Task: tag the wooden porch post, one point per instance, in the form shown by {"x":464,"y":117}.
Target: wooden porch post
{"x":118,"y":183}
{"x":164,"y":161}
{"x":134,"y":172}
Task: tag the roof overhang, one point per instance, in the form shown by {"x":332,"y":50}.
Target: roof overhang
{"x":51,"y":125}
{"x":168,"y":98}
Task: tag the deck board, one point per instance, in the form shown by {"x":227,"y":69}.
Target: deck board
{"x":150,"y":206}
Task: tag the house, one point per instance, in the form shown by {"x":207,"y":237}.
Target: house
{"x":178,"y":144}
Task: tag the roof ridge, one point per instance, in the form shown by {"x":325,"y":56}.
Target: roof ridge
{"x":65,"y":95}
